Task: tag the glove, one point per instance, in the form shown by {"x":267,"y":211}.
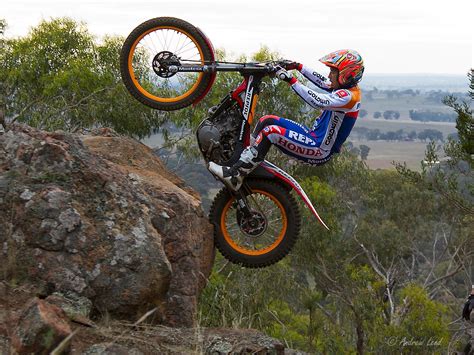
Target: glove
{"x":291,"y":65}
{"x":282,"y":74}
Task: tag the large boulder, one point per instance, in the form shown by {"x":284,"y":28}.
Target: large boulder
{"x":99,"y":216}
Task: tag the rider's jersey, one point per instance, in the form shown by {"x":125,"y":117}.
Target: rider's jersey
{"x":340,"y":109}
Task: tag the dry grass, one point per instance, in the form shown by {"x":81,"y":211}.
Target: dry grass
{"x":383,"y":153}
{"x":154,"y":339}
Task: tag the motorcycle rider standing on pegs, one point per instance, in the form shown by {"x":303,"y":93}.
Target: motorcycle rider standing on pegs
{"x":313,"y":146}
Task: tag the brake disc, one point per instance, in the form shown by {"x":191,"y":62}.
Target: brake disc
{"x":162,"y":62}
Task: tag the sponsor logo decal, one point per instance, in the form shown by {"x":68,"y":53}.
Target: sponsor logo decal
{"x":342,"y":93}
{"x":242,"y":128}
{"x":248,"y":99}
{"x":318,"y":99}
{"x":350,"y":56}
{"x":298,"y":149}
{"x":301,"y":138}
{"x":271,"y":129}
{"x":319,"y":76}
{"x":191,"y":69}
{"x":331,"y":131}
{"x":319,"y":161}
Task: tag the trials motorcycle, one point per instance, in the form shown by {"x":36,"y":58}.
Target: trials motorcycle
{"x":168,"y":64}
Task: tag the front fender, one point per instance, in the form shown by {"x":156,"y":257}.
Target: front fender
{"x":276,"y":172}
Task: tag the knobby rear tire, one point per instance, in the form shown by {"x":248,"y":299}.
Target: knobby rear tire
{"x":290,"y":207}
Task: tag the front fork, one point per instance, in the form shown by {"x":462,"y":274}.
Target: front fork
{"x":242,"y":203}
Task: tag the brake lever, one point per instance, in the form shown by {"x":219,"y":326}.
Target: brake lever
{"x":272,"y":69}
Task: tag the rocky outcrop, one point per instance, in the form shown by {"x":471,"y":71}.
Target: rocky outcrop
{"x":98,"y":216}
{"x":103,"y":251}
{"x":40,"y":328}
{"x":114,"y":336}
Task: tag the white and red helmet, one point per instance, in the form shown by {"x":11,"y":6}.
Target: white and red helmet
{"x":349,"y":63}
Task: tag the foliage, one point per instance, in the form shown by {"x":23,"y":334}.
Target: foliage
{"x":438,"y":96}
{"x":421,"y":324}
{"x":452,"y":178}
{"x":3,"y":26}
{"x":391,"y":114}
{"x":364,"y":151}
{"x":430,"y":134}
{"x":397,"y":257}
{"x":378,"y":276}
{"x":399,"y":135}
{"x":424,"y":116}
{"x":60,"y":77}
{"x":464,"y":120}
{"x":348,"y":290}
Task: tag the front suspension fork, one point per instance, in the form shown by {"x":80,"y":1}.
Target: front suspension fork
{"x":242,"y":203}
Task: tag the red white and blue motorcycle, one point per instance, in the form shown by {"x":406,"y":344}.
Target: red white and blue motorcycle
{"x":169,"y":64}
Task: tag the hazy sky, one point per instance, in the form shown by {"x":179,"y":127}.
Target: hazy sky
{"x":397,"y":36}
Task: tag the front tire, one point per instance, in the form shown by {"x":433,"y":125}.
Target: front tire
{"x":154,"y":40}
{"x":274,"y":233}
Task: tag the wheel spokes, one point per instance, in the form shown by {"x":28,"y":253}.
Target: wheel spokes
{"x":158,"y":44}
{"x":266,"y":211}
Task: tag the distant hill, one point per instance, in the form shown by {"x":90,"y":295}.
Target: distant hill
{"x":422,"y":82}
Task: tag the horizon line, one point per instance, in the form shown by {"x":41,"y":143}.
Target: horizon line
{"x":418,"y":73}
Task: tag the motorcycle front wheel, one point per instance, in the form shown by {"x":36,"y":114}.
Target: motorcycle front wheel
{"x":263,"y":238}
{"x":151,"y":49}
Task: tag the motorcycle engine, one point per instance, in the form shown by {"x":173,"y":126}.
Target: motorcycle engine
{"x":217,"y":135}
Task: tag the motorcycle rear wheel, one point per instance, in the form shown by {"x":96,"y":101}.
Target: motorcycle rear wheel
{"x":275,"y":228}
{"x":162,"y":39}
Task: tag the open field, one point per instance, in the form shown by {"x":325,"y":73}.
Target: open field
{"x":383,"y":153}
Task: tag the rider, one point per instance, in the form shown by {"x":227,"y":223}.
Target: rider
{"x":313,"y":146}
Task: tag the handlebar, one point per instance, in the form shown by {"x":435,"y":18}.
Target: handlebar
{"x":266,"y":68}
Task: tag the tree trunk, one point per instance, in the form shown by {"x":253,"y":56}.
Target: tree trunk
{"x":2,"y":117}
{"x":310,"y":328}
{"x":360,"y":337}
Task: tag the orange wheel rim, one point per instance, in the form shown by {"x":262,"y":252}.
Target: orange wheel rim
{"x":264,"y":250}
{"x":144,"y":91}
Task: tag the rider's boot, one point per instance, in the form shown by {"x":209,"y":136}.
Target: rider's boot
{"x":233,"y":176}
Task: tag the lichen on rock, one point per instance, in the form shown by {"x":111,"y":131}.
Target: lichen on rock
{"x":99,"y":216}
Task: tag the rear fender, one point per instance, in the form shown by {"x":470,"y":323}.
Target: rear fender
{"x":272,"y":170}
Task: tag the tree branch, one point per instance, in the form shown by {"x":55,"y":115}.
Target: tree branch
{"x":26,"y":108}
{"x":445,"y":276}
{"x":80,"y":102}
